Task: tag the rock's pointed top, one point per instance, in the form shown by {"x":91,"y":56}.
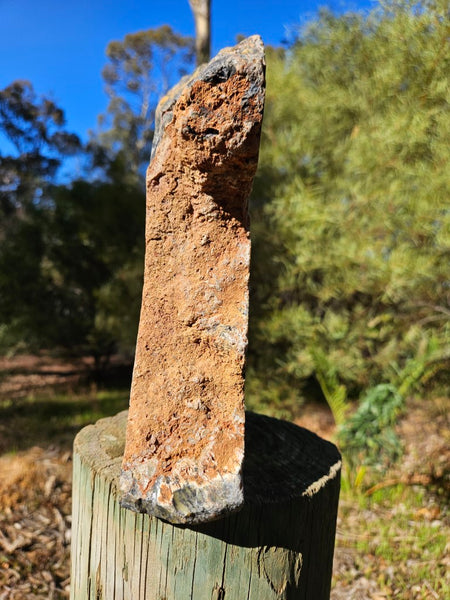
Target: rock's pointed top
{"x":246,"y":56}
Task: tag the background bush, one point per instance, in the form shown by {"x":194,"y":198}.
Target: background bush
{"x":351,"y":215}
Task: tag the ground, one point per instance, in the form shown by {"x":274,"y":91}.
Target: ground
{"x":392,"y":531}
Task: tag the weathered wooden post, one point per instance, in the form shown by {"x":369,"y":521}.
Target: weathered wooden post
{"x":176,"y":498}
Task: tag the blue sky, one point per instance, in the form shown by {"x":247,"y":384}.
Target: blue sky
{"x":59,"y":45}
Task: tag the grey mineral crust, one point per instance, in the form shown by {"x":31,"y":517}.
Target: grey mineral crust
{"x":190,"y":504}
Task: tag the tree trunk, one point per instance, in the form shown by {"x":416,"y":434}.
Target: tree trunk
{"x":202,"y":18}
{"x":279,"y":546}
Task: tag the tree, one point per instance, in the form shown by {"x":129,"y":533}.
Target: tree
{"x":140,"y":69}
{"x":94,"y":245}
{"x":68,"y":253}
{"x":34,"y":129}
{"x":350,"y":206}
{"x":70,"y":276}
{"x":202,"y":18}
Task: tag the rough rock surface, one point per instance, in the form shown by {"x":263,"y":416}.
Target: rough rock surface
{"x":185,"y":431}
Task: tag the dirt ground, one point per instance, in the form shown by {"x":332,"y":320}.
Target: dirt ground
{"x":35,"y":493}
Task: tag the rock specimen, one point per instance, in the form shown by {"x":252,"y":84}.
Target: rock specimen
{"x":185,"y":431}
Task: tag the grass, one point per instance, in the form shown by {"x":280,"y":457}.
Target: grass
{"x":393,"y":532}
{"x":54,"y":418}
{"x":398,"y":539}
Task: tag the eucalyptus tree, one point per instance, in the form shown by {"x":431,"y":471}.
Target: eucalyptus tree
{"x":34,"y":144}
{"x":139,"y":70}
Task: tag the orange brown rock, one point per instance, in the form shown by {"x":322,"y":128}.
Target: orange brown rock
{"x":185,"y":431}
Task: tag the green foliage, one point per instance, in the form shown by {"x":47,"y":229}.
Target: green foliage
{"x":350,"y":207}
{"x":94,"y":255}
{"x":335,"y":393}
{"x":80,"y":257}
{"x":368,"y":436}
